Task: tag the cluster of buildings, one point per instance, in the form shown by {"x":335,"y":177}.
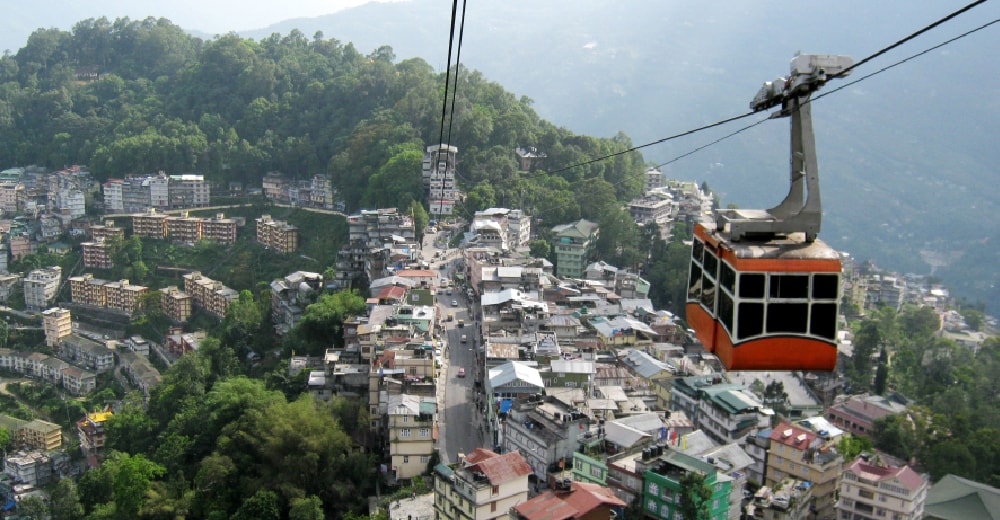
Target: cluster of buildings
{"x":120,"y":296}
{"x":379,"y":241}
{"x":184,"y":229}
{"x":140,"y":193}
{"x":316,"y":191}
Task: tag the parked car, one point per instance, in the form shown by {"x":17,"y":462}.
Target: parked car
{"x":461,"y":371}
{"x":454,"y":303}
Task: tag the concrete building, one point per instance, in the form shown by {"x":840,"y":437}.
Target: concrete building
{"x":92,"y":435}
{"x":151,"y":224}
{"x":32,"y":468}
{"x":290,"y":296}
{"x":574,"y":244}
{"x":277,"y":234}
{"x":176,"y":304}
{"x":209,"y":294}
{"x":113,"y":201}
{"x":40,"y":287}
{"x":188,"y":190}
{"x":97,"y":254}
{"x":578,"y":500}
{"x":410,"y":431}
{"x":870,"y":492}
{"x":219,"y":229}
{"x":439,"y":178}
{"x":482,"y":486}
{"x":120,"y":295}
{"x":804,"y":455}
{"x":661,"y":494}
{"x":858,"y":413}
{"x":57,"y":324}
{"x":88,"y":353}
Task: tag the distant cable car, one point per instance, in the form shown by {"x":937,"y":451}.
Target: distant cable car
{"x":763,"y":292}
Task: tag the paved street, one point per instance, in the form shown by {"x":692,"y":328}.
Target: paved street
{"x":458,"y":426}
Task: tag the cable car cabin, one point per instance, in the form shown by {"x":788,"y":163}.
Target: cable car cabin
{"x":765,"y":304}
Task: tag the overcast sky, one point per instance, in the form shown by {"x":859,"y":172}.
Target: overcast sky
{"x":204,"y":16}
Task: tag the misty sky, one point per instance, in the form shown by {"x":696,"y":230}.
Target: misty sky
{"x":205,"y":16}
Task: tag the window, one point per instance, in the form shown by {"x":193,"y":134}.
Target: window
{"x":595,"y":471}
{"x":405,"y":432}
{"x":406,"y":459}
{"x":496,"y":490}
{"x":493,"y":506}
{"x":425,"y":432}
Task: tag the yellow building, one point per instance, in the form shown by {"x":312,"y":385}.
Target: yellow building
{"x":57,"y":324}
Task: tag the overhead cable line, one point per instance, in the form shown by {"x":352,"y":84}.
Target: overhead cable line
{"x":748,"y":114}
{"x":910,"y":37}
{"x":458,"y":61}
{"x":447,"y":77}
{"x":727,"y":136}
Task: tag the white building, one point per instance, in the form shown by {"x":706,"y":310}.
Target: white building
{"x":113,"y":200}
{"x":40,"y":287}
{"x":57,"y":324}
{"x":72,"y":202}
{"x":439,"y":178}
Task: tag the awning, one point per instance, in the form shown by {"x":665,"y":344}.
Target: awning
{"x":505,"y":405}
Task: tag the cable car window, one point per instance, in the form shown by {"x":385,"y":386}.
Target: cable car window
{"x":787,"y":318}
{"x":752,"y":285}
{"x":726,"y":311}
{"x":711,"y":264}
{"x":823,"y":322}
{"x":708,"y":294}
{"x":694,"y":283}
{"x":727,"y":278}
{"x":825,"y":286}
{"x":750,"y":320}
{"x":697,"y":250}
{"x":789,"y":286}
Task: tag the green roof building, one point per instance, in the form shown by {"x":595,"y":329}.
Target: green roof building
{"x":661,"y":491}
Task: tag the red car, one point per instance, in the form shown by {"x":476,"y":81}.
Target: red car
{"x":461,"y":372}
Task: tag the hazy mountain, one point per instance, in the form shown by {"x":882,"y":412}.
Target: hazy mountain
{"x":907,"y":163}
{"x":907,"y":156}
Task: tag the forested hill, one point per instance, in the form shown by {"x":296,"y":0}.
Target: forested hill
{"x":142,"y":96}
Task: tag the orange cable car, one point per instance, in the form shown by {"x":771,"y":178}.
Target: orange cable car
{"x":763,"y":292}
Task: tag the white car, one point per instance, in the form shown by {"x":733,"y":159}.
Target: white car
{"x":454,"y":303}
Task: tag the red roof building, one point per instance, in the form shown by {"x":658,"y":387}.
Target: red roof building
{"x":582,"y":501}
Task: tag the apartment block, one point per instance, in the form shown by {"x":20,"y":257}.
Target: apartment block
{"x":88,"y":353}
{"x":107,"y":231}
{"x":186,"y":230}
{"x":150,"y":224}
{"x":209,"y":294}
{"x":189,"y":190}
{"x":92,"y":435}
{"x":40,"y":287}
{"x":277,"y":234}
{"x":869,"y":491}
{"x":176,"y":304}
{"x":574,"y":245}
{"x":219,"y":229}
{"x":113,"y":201}
{"x":439,"y":178}
{"x":120,"y":295}
{"x":97,"y":254}
{"x":57,"y":324}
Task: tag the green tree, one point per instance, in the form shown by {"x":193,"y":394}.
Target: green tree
{"x":308,"y":508}
{"x":850,"y":446}
{"x":695,"y":497}
{"x":134,"y":475}
{"x":321,"y":323}
{"x":881,"y":373}
{"x":32,"y":508}
{"x":65,"y":500}
{"x":4,"y":440}
{"x":539,"y":248}
{"x":263,"y":505}
{"x":866,"y":342}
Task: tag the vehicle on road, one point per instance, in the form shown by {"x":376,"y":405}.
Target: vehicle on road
{"x":461,"y":371}
{"x":454,"y":303}
{"x":465,"y":338}
{"x":461,"y":323}
{"x":451,"y":317}
{"x":448,"y":292}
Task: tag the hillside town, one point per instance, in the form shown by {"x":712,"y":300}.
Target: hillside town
{"x":520,"y":387}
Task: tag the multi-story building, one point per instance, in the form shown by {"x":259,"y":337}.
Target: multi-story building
{"x":529,"y":158}
{"x":574,"y":245}
{"x":275,"y":186}
{"x":185,"y":229}
{"x":439,"y":178}
{"x":78,"y":381}
{"x":804,"y":455}
{"x":159,"y":190}
{"x":189,"y":190}
{"x":32,"y":468}
{"x":545,"y":431}
{"x":653,"y":180}
{"x":410,"y":431}
{"x":661,"y":492}
{"x":71,"y":202}
{"x":176,"y":304}
{"x":501,"y":228}
{"x":372,"y":235}
{"x":871,"y":492}
{"x":57,"y":324}
{"x":277,"y":234}
{"x":219,"y":229}
{"x":482,"y":486}
{"x":35,"y":434}
{"x":209,"y":294}
{"x":151,"y":224}
{"x":88,"y":353}
{"x":120,"y":295}
{"x":40,"y":287}
{"x":289,"y":297}
{"x":97,"y":254}
{"x":107,"y":231}
{"x":92,"y":435}
{"x":113,"y":201}
{"x":321,"y":191}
